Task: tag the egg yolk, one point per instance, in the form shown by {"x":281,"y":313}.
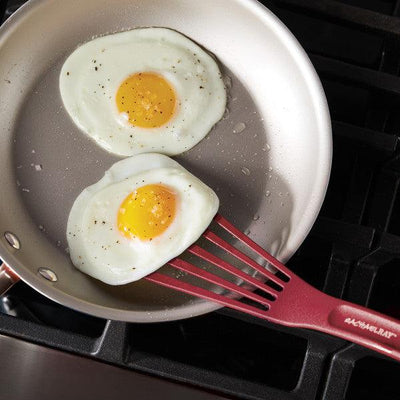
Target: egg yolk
{"x":147,"y":99}
{"x":147,"y":212}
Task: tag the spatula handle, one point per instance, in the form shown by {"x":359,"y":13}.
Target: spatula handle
{"x":365,"y":327}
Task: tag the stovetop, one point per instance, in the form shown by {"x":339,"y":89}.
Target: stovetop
{"x":352,"y":252}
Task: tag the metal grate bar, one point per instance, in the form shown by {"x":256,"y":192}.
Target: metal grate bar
{"x":340,"y":12}
{"x":379,"y":141}
{"x":358,"y":75}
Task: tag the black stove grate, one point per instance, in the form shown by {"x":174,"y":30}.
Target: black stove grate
{"x":352,"y":252}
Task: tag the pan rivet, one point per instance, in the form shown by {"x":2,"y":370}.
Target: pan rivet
{"x":48,"y":274}
{"x":12,"y":240}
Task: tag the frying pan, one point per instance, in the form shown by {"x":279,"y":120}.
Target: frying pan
{"x":271,"y":177}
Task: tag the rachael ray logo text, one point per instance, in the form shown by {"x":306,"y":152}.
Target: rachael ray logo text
{"x":374,"y":329}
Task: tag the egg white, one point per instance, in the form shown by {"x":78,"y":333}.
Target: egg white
{"x":92,"y":74}
{"x":99,"y":250}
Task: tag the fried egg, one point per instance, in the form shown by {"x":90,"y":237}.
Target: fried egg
{"x":144,"y":90}
{"x":146,"y":210}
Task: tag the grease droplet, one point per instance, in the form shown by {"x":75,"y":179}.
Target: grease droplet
{"x":226,"y":114}
{"x":239,"y":127}
{"x":245,"y":171}
{"x":267,"y":147}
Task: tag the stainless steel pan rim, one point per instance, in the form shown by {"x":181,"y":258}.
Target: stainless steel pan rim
{"x":317,"y":192}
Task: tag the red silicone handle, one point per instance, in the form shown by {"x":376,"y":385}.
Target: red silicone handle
{"x":366,"y":327}
{"x":303,"y":306}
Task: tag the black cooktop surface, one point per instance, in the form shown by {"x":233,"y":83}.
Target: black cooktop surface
{"x":352,"y":252}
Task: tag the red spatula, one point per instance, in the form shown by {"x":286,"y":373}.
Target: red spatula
{"x":293,"y":302}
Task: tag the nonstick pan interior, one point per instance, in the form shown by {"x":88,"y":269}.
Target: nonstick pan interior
{"x":46,"y":161}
